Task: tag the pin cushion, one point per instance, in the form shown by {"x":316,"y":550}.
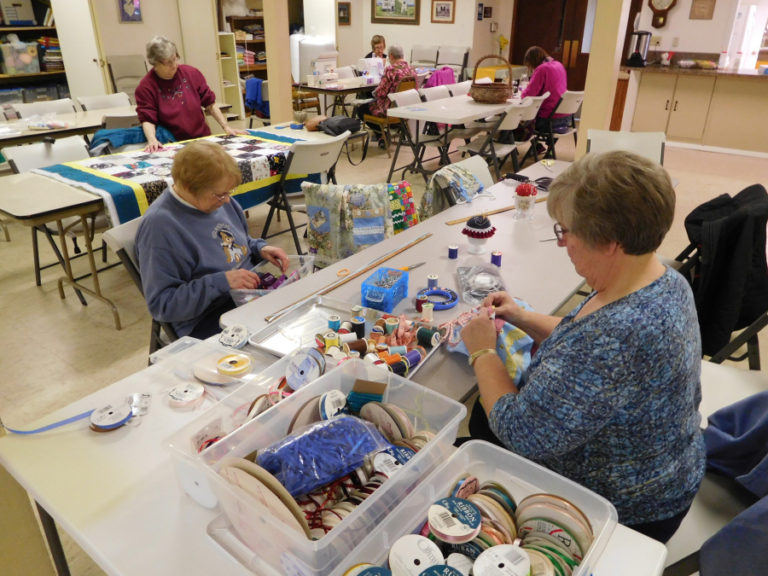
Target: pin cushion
{"x":479,"y":227}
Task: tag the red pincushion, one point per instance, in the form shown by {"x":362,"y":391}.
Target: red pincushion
{"x":526,"y":189}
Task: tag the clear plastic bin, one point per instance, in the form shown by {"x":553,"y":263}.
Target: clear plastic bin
{"x":519,"y":476}
{"x":384,"y":289}
{"x":221,"y":419}
{"x":273,"y":544}
{"x":298,"y":268}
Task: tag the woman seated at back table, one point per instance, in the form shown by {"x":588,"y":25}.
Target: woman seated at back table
{"x":378,"y":47}
{"x":173,"y":95}
{"x":397,"y":70}
{"x":611,"y":397}
{"x":193,"y":244}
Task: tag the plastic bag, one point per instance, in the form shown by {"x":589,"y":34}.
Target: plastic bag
{"x":321,"y":453}
{"x":477,"y":282}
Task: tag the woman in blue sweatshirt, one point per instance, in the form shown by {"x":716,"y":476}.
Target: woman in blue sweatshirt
{"x":193,"y":245}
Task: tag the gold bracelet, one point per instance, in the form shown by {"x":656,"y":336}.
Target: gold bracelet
{"x":475,"y":355}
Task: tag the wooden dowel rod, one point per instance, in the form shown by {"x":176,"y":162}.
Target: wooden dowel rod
{"x":497,"y":211}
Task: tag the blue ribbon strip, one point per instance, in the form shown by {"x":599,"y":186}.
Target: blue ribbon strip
{"x":85,"y":414}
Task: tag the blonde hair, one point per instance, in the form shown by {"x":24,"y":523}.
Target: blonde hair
{"x":615,"y":197}
{"x":202,"y":164}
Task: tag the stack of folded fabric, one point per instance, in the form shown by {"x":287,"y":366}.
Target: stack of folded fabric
{"x":50,"y":49}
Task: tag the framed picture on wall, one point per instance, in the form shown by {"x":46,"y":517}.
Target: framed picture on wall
{"x":480,"y":12}
{"x":395,"y":11}
{"x":130,"y":10}
{"x":488,"y":12}
{"x":443,"y":11}
{"x":343,"y":13}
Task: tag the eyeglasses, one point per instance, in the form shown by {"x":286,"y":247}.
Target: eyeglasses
{"x":223,"y":196}
{"x":560,"y":231}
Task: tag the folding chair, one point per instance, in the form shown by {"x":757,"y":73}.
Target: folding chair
{"x":305,"y":157}
{"x":26,"y":157}
{"x":570,"y":103}
{"x":122,"y":240}
{"x":385,"y":123}
{"x":454,"y":57}
{"x":647,"y":144}
{"x":102,"y":101}
{"x":125,"y":72}
{"x":497,"y":153}
{"x":460,"y":88}
{"x":406,"y":135}
{"x":726,"y":265}
{"x":424,"y":56}
{"x":61,"y":106}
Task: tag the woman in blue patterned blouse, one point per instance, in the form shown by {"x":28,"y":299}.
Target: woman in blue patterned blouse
{"x":611,"y":396}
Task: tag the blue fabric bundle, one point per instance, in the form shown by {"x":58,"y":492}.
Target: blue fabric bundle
{"x":254,"y":98}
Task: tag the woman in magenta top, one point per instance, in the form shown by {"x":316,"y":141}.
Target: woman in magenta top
{"x":547,"y":75}
{"x":173,"y":95}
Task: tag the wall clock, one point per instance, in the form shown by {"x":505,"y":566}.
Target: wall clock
{"x":660,"y":9}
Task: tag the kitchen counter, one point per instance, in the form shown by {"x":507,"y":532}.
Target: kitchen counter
{"x":657,"y":69}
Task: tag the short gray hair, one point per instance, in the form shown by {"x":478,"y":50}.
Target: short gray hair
{"x":160,"y":50}
{"x":396,"y":51}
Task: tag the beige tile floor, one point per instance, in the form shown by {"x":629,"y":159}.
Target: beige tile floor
{"x":55,"y":351}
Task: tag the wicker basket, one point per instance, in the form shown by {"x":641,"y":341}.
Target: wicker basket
{"x":493,"y":92}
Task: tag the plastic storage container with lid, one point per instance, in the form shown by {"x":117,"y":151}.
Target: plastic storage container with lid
{"x":485,"y":461}
{"x":266,"y":545}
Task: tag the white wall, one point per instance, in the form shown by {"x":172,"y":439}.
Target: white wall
{"x":320,"y":18}
{"x":131,"y":38}
{"x":692,"y":35}
{"x":460,"y":33}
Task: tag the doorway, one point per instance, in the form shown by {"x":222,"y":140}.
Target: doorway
{"x":559,"y":27}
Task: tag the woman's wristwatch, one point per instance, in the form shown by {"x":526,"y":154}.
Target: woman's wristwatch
{"x":482,"y":352}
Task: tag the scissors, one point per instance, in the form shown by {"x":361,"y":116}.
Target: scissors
{"x":411,"y":267}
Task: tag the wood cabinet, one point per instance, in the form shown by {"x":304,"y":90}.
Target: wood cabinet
{"x":230,"y":76}
{"x":737,"y":117}
{"x":674,"y":104}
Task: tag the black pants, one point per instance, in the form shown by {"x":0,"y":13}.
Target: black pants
{"x":208,"y":325}
{"x":480,"y":429}
{"x":364,"y":109}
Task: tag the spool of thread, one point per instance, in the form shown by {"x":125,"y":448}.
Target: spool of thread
{"x":420,"y":300}
{"x":358,"y":326}
{"x":413,"y":357}
{"x":331,"y":339}
{"x":335,"y":352}
{"x":496,"y":258}
{"x":377,"y":330}
{"x":422,"y":351}
{"x":346,"y":337}
{"x":334,"y":322}
{"x":371,"y":357}
{"x":398,"y":349}
{"x":346,"y":325}
{"x":390,"y":325}
{"x":359,"y":346}
{"x":381,"y":347}
{"x":453,"y":251}
{"x":354,"y":354}
{"x":381,"y":322}
{"x":392,"y":358}
{"x":427,"y":311}
{"x":319,"y":341}
{"x":428,"y":337}
{"x":432,"y":281}
{"x":400,"y":367}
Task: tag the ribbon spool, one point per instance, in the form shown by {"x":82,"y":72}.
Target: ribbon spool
{"x":110,"y":417}
{"x":302,"y":369}
{"x":186,"y":396}
{"x":233,"y":365}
